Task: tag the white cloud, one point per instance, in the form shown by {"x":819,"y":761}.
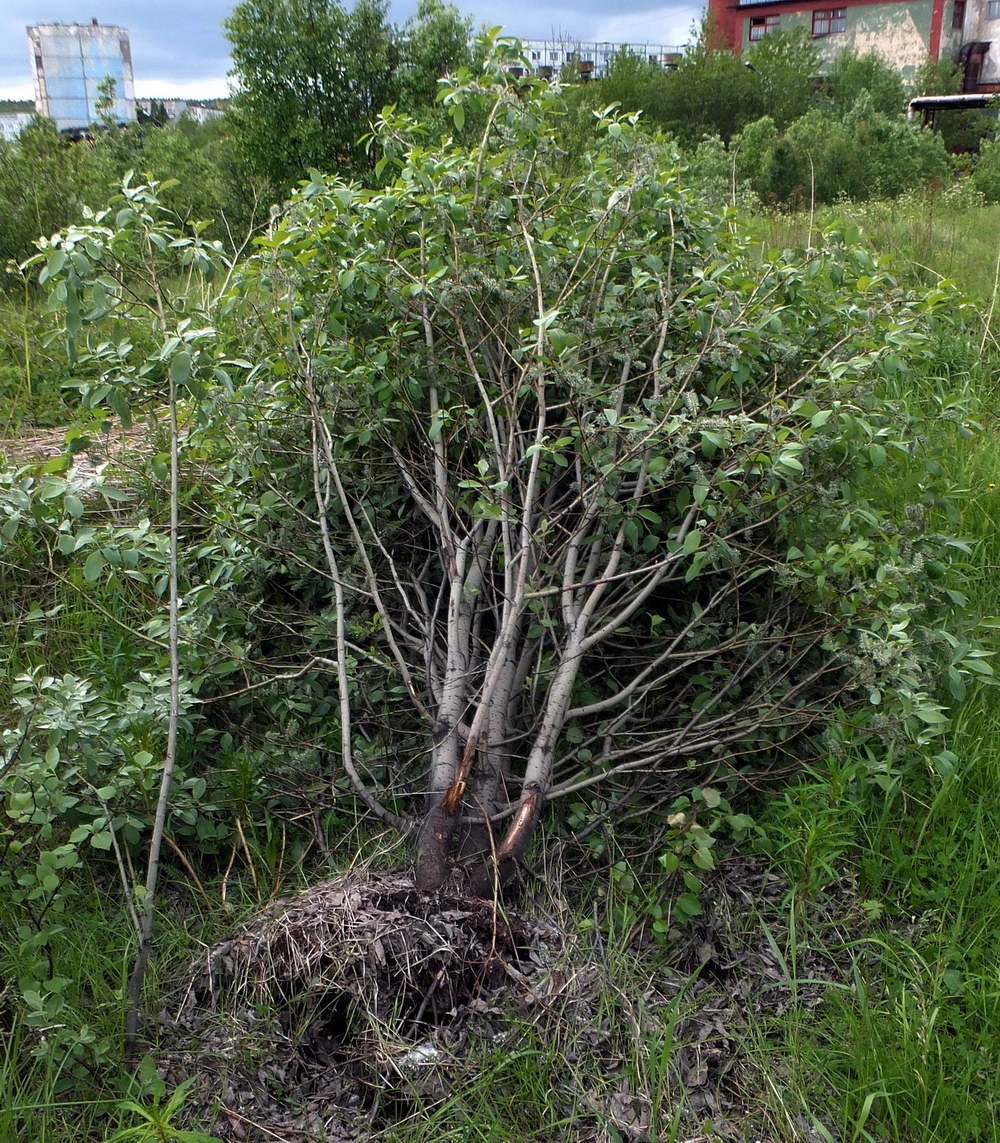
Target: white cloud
{"x":211,"y":88}
{"x":667,"y":25}
{"x":17,"y":91}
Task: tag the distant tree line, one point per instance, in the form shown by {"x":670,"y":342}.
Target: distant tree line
{"x":776,"y":123}
{"x":310,"y":78}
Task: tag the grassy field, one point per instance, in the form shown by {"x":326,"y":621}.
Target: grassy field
{"x":881,"y":933}
{"x":908,"y":1049}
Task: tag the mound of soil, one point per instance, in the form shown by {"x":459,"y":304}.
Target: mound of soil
{"x":346,"y":1004}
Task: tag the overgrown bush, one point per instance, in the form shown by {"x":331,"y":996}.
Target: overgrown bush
{"x":642,"y":449}
{"x":823,"y":156}
{"x":986,"y":171}
{"x":44,"y":180}
{"x":853,"y":76}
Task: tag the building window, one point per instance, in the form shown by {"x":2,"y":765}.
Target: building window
{"x":958,"y":14}
{"x":536,"y":55}
{"x":826,"y":21}
{"x":993,"y":10}
{"x":761,"y":25}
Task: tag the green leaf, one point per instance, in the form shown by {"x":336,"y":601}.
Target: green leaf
{"x":53,"y":266}
{"x":931,"y":715}
{"x":703,"y":859}
{"x":711,"y":797}
{"x":119,"y":406}
{"x":180,"y":368}
{"x":739,"y":822}
{"x":94,"y":566}
{"x":116,"y":494}
{"x":56,"y":464}
{"x":695,"y":569}
{"x":688,"y":905}
{"x":691,"y":542}
{"x":560,"y":340}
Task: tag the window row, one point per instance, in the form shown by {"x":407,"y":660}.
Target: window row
{"x":825,"y":22}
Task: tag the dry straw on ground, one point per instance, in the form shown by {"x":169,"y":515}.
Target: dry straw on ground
{"x":348,"y":1008}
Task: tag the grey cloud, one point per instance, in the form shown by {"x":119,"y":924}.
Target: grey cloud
{"x":183,"y":41}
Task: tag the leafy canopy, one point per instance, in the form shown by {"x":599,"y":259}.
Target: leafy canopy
{"x":572,"y":491}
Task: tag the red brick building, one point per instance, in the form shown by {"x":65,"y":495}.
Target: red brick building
{"x":904,"y":32}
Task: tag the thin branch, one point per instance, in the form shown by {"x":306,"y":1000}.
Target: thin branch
{"x":173,"y":718}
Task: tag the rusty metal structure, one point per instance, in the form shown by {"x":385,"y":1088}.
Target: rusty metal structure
{"x":69,"y":62}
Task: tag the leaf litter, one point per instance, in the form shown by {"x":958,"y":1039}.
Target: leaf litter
{"x":359,"y":1003}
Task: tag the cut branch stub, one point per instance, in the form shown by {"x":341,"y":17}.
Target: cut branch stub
{"x":456,"y":791}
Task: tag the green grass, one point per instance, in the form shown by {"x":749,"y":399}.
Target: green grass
{"x":905,"y":1050}
{"x":926,"y":236}
{"x":63,"y":1078}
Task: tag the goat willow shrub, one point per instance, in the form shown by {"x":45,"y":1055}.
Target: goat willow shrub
{"x":543,"y":350}
{"x":721,"y":415}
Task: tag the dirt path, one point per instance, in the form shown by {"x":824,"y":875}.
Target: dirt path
{"x":37,"y":445}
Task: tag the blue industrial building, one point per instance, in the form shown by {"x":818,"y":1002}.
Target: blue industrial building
{"x":69,"y":63}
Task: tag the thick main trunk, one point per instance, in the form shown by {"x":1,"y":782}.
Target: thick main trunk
{"x":477,"y":840}
{"x":490,"y":862}
{"x":433,"y":861}
{"x":434,"y":839}
{"x":445,"y":840}
{"x":470,"y":770}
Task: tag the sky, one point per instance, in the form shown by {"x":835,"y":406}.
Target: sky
{"x":179,"y":49}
